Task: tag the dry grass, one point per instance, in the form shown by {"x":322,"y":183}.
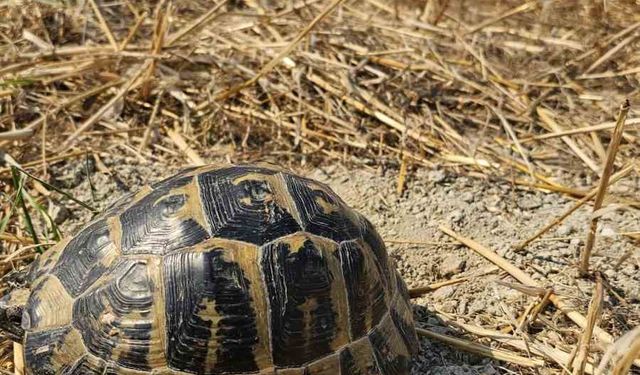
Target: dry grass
{"x":524,"y":92}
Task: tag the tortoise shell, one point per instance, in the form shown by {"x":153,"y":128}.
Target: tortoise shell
{"x":220,"y":270}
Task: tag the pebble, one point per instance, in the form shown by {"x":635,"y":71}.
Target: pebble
{"x":529,"y":202}
{"x":607,"y":231}
{"x":462,"y":307}
{"x":467,"y":197}
{"x":437,"y":176}
{"x":60,"y":214}
{"x":456,"y":216}
{"x":476,"y":306}
{"x":452,"y":265}
{"x":444,"y":292}
{"x":565,"y":229}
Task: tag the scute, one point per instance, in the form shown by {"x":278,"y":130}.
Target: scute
{"x":212,"y":299}
{"x":49,"y":305}
{"x":161,"y":221}
{"x":116,"y":317}
{"x":367,"y":292}
{"x":52,"y":351}
{"x":307,"y":300}
{"x":242,"y":203}
{"x":321,"y":211}
{"x":87,"y":257}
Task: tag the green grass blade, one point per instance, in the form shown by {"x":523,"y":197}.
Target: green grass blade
{"x":51,"y":187}
{"x":19,"y":184}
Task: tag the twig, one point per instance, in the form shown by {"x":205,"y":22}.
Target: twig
{"x":547,"y":117}
{"x":522,"y":8}
{"x":611,"y":52}
{"x":172,"y":39}
{"x":420,"y":291}
{"x":103,"y":25}
{"x":621,"y":355}
{"x":133,"y":31}
{"x":402,"y":176}
{"x":499,"y":354}
{"x":98,"y":114}
{"x":179,"y":141}
{"x":616,"y":177}
{"x":524,"y":278}
{"x":602,"y":189}
{"x":276,"y":60}
{"x":18,"y":359}
{"x":585,"y":129}
{"x":538,"y":348}
{"x":595,"y":310}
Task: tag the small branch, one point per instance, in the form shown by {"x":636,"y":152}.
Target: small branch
{"x":602,"y":189}
{"x":524,"y":278}
{"x":617,"y":176}
{"x":499,"y":354}
{"x":422,"y":290}
{"x":103,"y":25}
{"x":98,"y":115}
{"x":276,"y":60}
{"x":182,"y":145}
{"x":595,"y":310}
{"x":195,"y":24}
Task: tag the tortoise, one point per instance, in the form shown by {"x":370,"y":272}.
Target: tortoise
{"x":236,"y":269}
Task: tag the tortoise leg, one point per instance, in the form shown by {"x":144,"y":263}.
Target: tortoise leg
{"x":11,"y":307}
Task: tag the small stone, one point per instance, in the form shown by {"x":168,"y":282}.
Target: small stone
{"x":456,"y":216}
{"x":565,"y":230}
{"x":452,"y":265}
{"x":476,"y":306}
{"x":529,"y":202}
{"x":437,"y":176}
{"x":462,"y":307}
{"x":610,"y":273}
{"x":60,"y":214}
{"x":467,"y":197}
{"x":449,"y":306}
{"x":444,"y":292}
{"x":575,"y":242}
{"x":607,"y":231}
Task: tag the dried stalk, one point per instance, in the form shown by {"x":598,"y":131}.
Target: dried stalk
{"x":468,"y":346}
{"x":594,"y":313}
{"x":602,"y":189}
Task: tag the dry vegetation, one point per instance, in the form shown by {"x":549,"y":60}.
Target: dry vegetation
{"x":524,"y":92}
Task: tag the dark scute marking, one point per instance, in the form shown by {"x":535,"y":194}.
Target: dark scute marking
{"x":151,"y":227}
{"x":87,"y":365}
{"x":118,"y":314}
{"x":349,"y":363}
{"x":79,"y":264}
{"x":39,"y":350}
{"x":298,"y":281}
{"x":401,"y":316}
{"x":371,"y":237}
{"x":336,"y":224}
{"x":194,"y":282}
{"x":246,"y":210}
{"x":366,"y":294}
{"x":390,"y":361}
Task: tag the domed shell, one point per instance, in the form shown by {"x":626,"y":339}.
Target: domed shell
{"x":221,"y":270}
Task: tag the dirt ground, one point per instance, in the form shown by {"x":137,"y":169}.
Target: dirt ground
{"x":493,"y":213}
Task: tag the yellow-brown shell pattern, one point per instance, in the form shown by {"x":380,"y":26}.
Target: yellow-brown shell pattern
{"x":245,"y":269}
